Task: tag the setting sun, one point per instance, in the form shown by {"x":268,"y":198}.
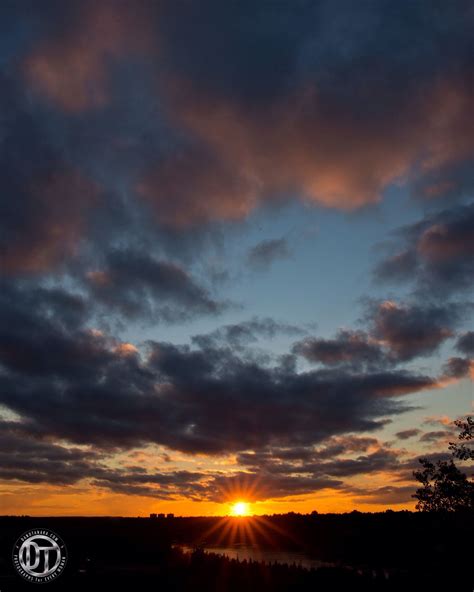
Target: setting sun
{"x":240,"y":509}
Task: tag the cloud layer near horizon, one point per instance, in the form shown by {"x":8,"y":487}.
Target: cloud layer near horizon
{"x":218,"y":397}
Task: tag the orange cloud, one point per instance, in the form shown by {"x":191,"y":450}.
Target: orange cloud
{"x":300,"y":145}
{"x":195,"y":188}
{"x":126,"y":349}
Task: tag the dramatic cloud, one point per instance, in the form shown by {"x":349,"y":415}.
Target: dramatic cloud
{"x":338,"y":121}
{"x":25,"y":458}
{"x":78,"y":384}
{"x":34,"y":461}
{"x":415,"y":330}
{"x":45,"y":201}
{"x":397,"y":333}
{"x":349,"y":110}
{"x":306,"y":137}
{"x":72,"y":67}
{"x":380,"y":460}
{"x":136,"y":284}
{"x":353,"y":348}
{"x":195,"y":187}
{"x":437,"y":253}
{"x":59,"y":205}
{"x":299,"y":458}
{"x":134,"y":138}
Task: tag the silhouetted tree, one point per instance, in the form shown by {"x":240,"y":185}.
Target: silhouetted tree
{"x":444,"y":486}
{"x":462,"y":450}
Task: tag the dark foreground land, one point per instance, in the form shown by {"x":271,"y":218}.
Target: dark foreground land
{"x":385,"y":551}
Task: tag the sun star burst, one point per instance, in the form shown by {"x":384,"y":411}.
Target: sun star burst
{"x":240,"y":509}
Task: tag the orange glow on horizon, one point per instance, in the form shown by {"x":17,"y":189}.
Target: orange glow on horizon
{"x":53,"y":500}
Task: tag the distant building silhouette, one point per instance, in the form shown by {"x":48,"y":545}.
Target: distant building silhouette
{"x":155,"y":516}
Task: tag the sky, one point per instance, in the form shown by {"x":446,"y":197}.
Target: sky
{"x":237,"y":253}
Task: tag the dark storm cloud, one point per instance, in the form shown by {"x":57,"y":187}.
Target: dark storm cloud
{"x":248,"y":405}
{"x":436,"y":253}
{"x":70,"y":382}
{"x":42,"y":335}
{"x":266,"y":252}
{"x":134,"y":283}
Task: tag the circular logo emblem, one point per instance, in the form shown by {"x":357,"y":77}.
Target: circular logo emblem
{"x":39,"y":555}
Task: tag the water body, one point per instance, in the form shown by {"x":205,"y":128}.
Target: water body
{"x":248,"y":552}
